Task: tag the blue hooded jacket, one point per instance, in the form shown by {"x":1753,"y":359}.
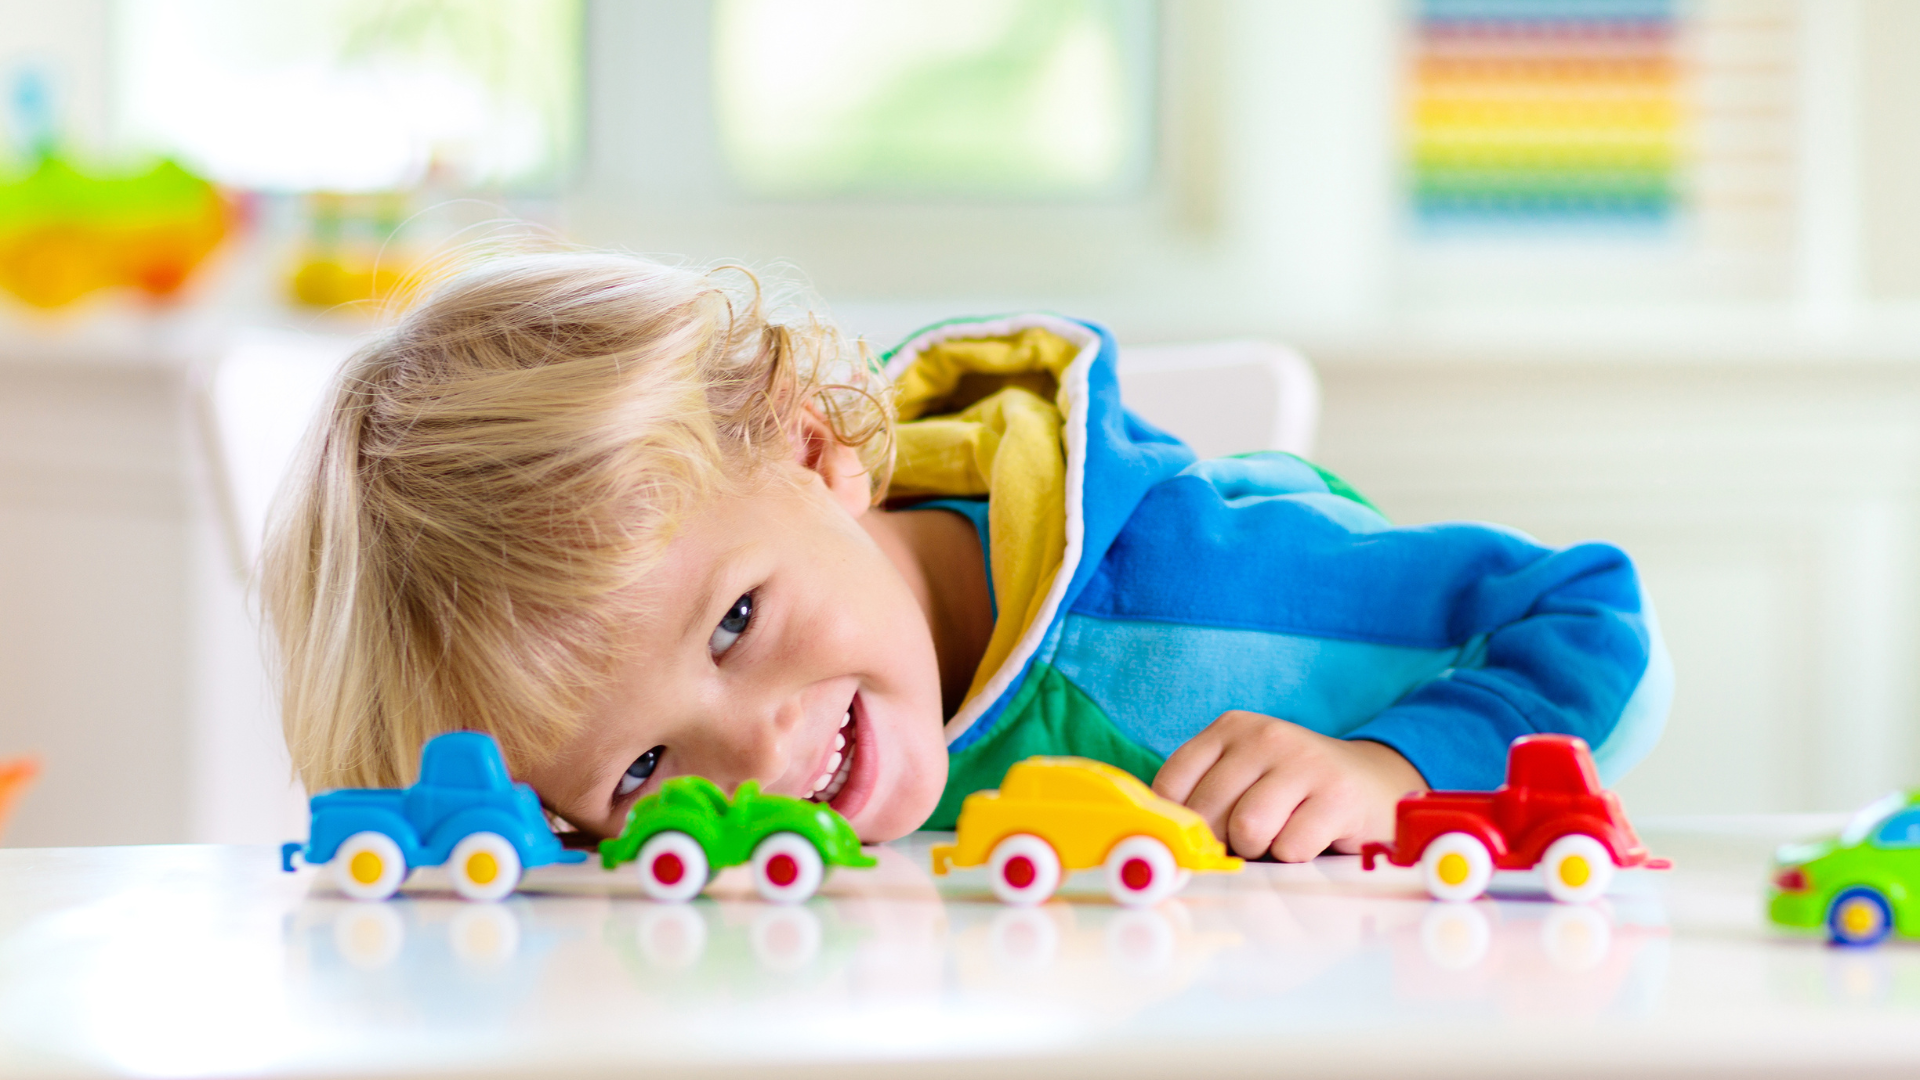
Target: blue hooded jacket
{"x":1141,"y":593}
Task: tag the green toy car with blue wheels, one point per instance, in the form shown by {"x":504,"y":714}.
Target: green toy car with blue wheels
{"x":1860,"y":885}
{"x":689,"y":830}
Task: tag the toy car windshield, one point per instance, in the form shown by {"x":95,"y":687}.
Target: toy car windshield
{"x":1869,"y":817}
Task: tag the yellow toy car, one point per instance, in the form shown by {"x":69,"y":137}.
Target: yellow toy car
{"x":1054,"y":814}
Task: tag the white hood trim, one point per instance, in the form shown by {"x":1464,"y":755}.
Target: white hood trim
{"x":1074,"y":383}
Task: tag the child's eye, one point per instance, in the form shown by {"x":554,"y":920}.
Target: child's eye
{"x":638,"y":772}
{"x":732,"y":625}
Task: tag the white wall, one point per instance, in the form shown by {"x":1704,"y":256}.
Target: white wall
{"x":1772,"y":510}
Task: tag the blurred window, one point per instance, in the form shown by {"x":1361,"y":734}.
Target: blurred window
{"x":994,"y":98}
{"x":353,"y":95}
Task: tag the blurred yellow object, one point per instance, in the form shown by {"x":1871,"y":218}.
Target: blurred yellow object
{"x":64,"y":234}
{"x":352,"y":254}
{"x":330,"y":281}
{"x":15,"y":775}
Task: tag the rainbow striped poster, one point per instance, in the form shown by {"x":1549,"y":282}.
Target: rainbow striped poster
{"x":1545,"y":111}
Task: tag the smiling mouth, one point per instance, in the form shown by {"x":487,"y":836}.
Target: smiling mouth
{"x":839,"y":765}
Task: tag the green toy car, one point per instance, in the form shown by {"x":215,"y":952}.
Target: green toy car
{"x":689,"y":830}
{"x":1862,"y":884}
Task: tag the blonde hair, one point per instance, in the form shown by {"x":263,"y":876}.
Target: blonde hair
{"x":455,"y":549}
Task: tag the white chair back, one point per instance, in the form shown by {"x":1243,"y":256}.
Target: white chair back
{"x":255,"y":405}
{"x":1224,"y":397}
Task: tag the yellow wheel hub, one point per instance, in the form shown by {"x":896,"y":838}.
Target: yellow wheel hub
{"x":482,"y":868}
{"x":1859,"y":917}
{"x":366,"y":867}
{"x":1453,"y":868}
{"x":1574,"y":871}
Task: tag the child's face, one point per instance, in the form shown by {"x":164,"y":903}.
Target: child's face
{"x":777,"y":629}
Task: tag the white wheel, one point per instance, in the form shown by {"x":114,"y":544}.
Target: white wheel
{"x":1023,"y":940}
{"x":1456,"y":866}
{"x":369,"y":866}
{"x":484,"y":866}
{"x":1577,"y":867}
{"x":673,"y":867}
{"x":485,"y":935}
{"x":1576,"y":939}
{"x":1024,"y":870}
{"x":1455,"y":937}
{"x":786,"y":938}
{"x":787,"y":868}
{"x":369,"y":936}
{"x":1141,"y":872}
{"x":674,"y":936}
{"x":1140,"y":942}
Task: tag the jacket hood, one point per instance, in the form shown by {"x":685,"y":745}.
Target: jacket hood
{"x":1024,"y":409}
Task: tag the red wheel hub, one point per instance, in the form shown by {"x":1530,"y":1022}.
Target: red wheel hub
{"x":782,"y":870}
{"x":668,"y":869}
{"x":1136,"y":874}
{"x":1019,"y":871}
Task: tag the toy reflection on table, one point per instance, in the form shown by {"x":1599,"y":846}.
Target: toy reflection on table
{"x":1551,"y":813}
{"x":432,"y":959}
{"x":1859,"y":884}
{"x":464,"y":813}
{"x":1052,"y":815}
{"x":1533,"y":960}
{"x":683,"y":834}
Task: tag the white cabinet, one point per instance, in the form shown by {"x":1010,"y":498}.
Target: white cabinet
{"x":128,"y":660}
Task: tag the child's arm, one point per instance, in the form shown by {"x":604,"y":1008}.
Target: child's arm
{"x":1267,"y":786}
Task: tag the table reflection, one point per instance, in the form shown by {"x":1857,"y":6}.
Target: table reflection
{"x":1303,"y":937}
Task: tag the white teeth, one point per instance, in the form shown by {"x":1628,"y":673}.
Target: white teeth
{"x":847,"y":719}
{"x":839,"y":766}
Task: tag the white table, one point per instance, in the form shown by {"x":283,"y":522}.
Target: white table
{"x":207,"y":961}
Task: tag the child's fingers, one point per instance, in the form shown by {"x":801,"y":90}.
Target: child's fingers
{"x":1315,"y":824}
{"x":1223,"y":786}
{"x":1186,"y":765}
{"x":1261,"y":812}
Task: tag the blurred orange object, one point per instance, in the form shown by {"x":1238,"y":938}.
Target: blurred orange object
{"x":15,"y":775}
{"x":64,"y":234}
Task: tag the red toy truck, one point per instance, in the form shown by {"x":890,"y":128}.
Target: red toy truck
{"x":1551,"y":812}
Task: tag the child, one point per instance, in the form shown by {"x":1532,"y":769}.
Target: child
{"x":621,"y":517}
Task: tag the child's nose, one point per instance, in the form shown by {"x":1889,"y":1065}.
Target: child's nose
{"x":757,"y":744}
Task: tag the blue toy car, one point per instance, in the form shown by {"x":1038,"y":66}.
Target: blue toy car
{"x":465,"y":812}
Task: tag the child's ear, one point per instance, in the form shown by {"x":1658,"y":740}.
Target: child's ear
{"x":819,"y":451}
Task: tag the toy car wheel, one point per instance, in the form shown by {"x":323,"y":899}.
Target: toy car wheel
{"x":369,"y":866}
{"x":1859,"y":916}
{"x":1024,"y":870}
{"x":673,"y":867}
{"x":787,"y":868}
{"x":1141,"y":872}
{"x":1577,"y":868}
{"x":484,"y":866}
{"x":1456,"y":866}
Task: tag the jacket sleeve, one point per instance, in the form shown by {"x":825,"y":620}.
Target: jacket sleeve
{"x":1541,"y":639}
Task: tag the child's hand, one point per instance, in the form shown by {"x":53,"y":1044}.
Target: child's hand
{"x":1265,"y":785}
